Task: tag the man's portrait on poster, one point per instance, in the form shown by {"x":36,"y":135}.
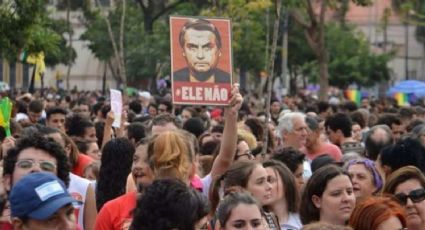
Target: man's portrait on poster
{"x":201,"y":43}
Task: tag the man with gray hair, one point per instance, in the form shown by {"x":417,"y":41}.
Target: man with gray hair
{"x":378,"y":137}
{"x":293,"y":130}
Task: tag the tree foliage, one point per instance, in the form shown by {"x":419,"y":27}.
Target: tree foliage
{"x":26,"y":26}
{"x":146,"y":52}
{"x":248,"y":31}
{"x":311,"y":16}
{"x":146,"y":44}
{"x":350,"y":59}
{"x":66,"y":54}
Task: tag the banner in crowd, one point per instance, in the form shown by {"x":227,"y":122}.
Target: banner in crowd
{"x":5,"y":113}
{"x":402,"y":99}
{"x":34,"y":59}
{"x":201,"y":60}
{"x":354,"y":95}
{"x":116,"y":106}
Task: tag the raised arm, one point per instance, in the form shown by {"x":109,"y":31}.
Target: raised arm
{"x":228,"y":141}
{"x":107,"y":130}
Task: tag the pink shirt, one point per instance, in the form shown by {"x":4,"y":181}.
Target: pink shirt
{"x":325,"y":148}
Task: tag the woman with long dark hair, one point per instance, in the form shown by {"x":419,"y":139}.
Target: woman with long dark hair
{"x":116,"y":160}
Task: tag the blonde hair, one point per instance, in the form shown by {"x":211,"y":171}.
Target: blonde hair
{"x":170,"y":156}
{"x":248,"y":137}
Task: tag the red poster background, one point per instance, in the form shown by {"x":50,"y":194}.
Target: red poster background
{"x":178,"y":61}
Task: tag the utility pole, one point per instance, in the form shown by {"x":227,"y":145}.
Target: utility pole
{"x":406,"y":49}
{"x":284,"y":79}
{"x":270,"y":71}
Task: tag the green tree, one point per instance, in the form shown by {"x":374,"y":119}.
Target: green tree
{"x":145,"y":48}
{"x":66,"y":54}
{"x":300,"y":55}
{"x":411,"y":12}
{"x":311,"y":15}
{"x":248,"y":32}
{"x":420,"y":29}
{"x":350,"y":59}
{"x":26,"y":26}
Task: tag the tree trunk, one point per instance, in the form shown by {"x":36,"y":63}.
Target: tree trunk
{"x":271,"y":74}
{"x":284,"y":75}
{"x":118,"y":54}
{"x":121,"y":44}
{"x":383,"y":86}
{"x":323,"y":55}
{"x":314,"y":31}
{"x":423,"y":60}
{"x":153,"y":10}
{"x":114,"y":72}
{"x":324,"y":76}
{"x":68,"y":21}
{"x":293,"y":83}
{"x":104,"y":79}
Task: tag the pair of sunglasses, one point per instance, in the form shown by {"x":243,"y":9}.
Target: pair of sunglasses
{"x":415,"y":196}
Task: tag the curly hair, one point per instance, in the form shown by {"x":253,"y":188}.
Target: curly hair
{"x":169,"y":204}
{"x":116,"y":161}
{"x":405,"y":152}
{"x":37,"y":141}
{"x":68,"y":142}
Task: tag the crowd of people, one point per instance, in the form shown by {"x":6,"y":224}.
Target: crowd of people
{"x":305,"y":164}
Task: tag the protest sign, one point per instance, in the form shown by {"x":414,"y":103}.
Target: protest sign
{"x":201,"y":60}
{"x":116,"y":107}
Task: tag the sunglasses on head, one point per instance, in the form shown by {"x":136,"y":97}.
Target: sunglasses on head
{"x":415,"y":196}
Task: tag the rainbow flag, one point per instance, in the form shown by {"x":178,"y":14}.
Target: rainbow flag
{"x":402,"y":99}
{"x":353,"y":95}
{"x":5,"y":113}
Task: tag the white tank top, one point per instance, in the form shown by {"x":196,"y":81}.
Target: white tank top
{"x":78,"y":189}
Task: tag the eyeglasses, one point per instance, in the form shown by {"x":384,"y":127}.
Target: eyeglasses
{"x":415,"y":196}
{"x":29,"y":163}
{"x":247,"y":154}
